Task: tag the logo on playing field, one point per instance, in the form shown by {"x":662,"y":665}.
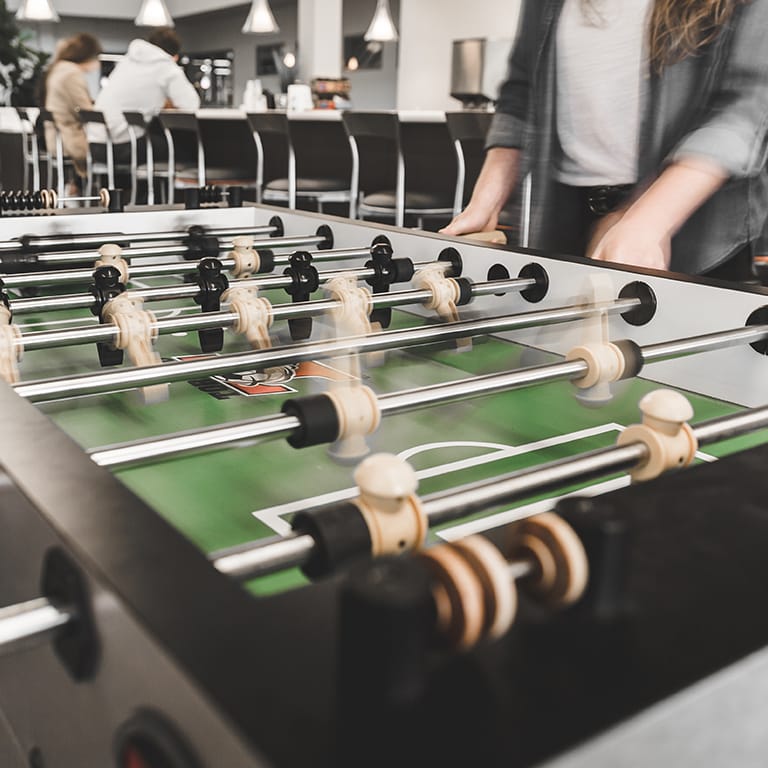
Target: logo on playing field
{"x":267,"y":381}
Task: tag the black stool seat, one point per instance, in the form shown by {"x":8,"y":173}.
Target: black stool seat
{"x":413,"y":199}
{"x":309,"y":185}
{"x":223,"y":174}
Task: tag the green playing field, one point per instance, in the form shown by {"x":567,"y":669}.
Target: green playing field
{"x":245,"y":493}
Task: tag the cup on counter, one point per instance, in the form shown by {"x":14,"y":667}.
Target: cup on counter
{"x":299,"y":98}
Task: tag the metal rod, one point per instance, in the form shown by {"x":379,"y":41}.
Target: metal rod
{"x":478,"y":386}
{"x":270,"y":243}
{"x":108,"y":332}
{"x":247,"y":432}
{"x":85,"y":275}
{"x":80,"y":199}
{"x":67,"y":241}
{"x":220,"y":436}
{"x":389,"y":404}
{"x":331,"y":254}
{"x":733,"y":425}
{"x":441,"y":507}
{"x":174,"y":292}
{"x":128,"y":253}
{"x":519,"y":569}
{"x":32,"y":621}
{"x":107,"y":381}
{"x":90,"y":334}
{"x":190,"y":290}
{"x":291,"y":551}
{"x":458,"y":502}
{"x":705,"y":343}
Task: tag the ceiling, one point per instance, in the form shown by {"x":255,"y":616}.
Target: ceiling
{"x":129,"y":8}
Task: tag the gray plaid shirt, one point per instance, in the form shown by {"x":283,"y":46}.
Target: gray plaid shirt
{"x":713,"y":105}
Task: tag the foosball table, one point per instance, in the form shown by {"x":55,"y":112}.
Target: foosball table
{"x":283,"y":489}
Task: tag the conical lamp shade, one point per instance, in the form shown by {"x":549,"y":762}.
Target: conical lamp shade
{"x":382,"y":28}
{"x":154,"y":13}
{"x":37,"y":10}
{"x":260,"y":19}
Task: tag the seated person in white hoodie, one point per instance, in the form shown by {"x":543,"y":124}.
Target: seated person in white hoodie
{"x":147,"y":79}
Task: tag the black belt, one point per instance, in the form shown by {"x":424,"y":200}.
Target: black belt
{"x":605,"y":199}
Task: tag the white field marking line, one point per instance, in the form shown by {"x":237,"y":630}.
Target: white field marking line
{"x":527,"y":510}
{"x":272,"y":517}
{"x":137,"y":283}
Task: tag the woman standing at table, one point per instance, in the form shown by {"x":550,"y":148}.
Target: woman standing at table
{"x":66,"y":92}
{"x":643,"y":125}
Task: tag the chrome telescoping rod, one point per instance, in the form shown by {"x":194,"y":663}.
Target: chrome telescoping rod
{"x":98,"y":239}
{"x":31,"y":622}
{"x":141,"y":270}
{"x":330,"y":254}
{"x":130,"y":378}
{"x":271,"y":427}
{"x":306,"y":241}
{"x":52,"y":278}
{"x":259,"y":558}
{"x":247,"y":432}
{"x":109,"y":333}
{"x":87,"y":334}
{"x":218,"y":437}
{"x":190,"y":290}
{"x":252,"y":430}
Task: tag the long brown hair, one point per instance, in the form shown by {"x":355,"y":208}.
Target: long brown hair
{"x":79,"y":48}
{"x":680,"y":28}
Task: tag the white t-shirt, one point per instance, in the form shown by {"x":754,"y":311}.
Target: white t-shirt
{"x":602,"y":77}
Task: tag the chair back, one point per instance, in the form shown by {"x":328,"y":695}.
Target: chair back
{"x":468,"y":130}
{"x":276,"y":159}
{"x":374,"y":138}
{"x":46,"y":119}
{"x":184,"y":144}
{"x":31,"y":147}
{"x":376,"y":125}
{"x":231,"y":155}
{"x":137,"y":127}
{"x":96,"y":117}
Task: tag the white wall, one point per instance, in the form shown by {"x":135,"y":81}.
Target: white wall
{"x":372,"y":88}
{"x":427,"y":32}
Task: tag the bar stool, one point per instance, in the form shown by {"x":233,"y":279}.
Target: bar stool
{"x":380,"y":178}
{"x":468,"y":130}
{"x":183,"y":140}
{"x":31,"y":148}
{"x":56,"y":162}
{"x":139,"y":132}
{"x":283,"y":147}
{"x":231,"y":157}
{"x":106,"y":169}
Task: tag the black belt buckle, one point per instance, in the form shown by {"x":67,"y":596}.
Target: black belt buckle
{"x":604,"y":199}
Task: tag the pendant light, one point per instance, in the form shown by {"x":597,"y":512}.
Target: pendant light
{"x":37,"y":10}
{"x":260,"y":19}
{"x":382,"y":28}
{"x":154,"y":13}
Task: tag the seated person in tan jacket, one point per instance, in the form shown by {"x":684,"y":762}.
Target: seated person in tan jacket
{"x":66,"y":92}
